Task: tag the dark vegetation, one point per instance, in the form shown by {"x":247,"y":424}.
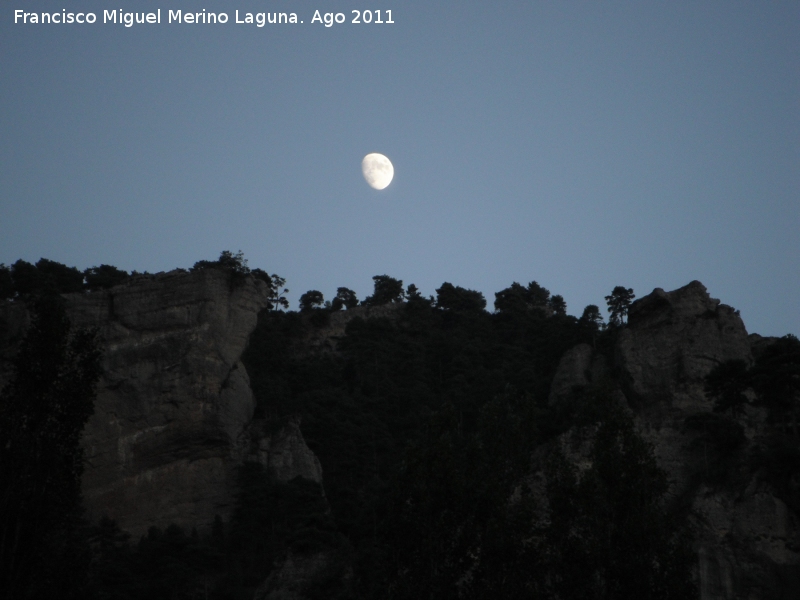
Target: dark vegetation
{"x":26,"y":280}
{"x":718,"y":446}
{"x":235,"y":265}
{"x":425,"y":422}
{"x":610,"y":535}
{"x":23,"y":279}
{"x":619,"y":301}
{"x":229,"y":561}
{"x":771,"y":383}
{"x":43,"y":550}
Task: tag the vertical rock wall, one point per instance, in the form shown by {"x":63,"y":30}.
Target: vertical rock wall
{"x":174,"y":403}
{"x":673,"y":340}
{"x":173,"y":416}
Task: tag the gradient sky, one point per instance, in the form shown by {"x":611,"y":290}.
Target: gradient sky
{"x":579,"y":144}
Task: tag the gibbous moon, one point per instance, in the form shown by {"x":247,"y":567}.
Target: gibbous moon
{"x":378,"y":170}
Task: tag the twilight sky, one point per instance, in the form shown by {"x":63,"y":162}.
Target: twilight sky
{"x":579,"y":144}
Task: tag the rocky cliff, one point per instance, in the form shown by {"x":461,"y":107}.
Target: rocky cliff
{"x":174,"y":409}
{"x":747,"y":539}
{"x":673,"y":340}
{"x":174,"y":403}
{"x":174,"y":418}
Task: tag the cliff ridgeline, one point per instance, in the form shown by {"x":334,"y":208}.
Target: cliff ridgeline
{"x":410,"y":447}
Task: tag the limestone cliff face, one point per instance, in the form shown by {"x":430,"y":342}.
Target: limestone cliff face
{"x":579,"y":367}
{"x":174,"y":403}
{"x":173,"y":416}
{"x":284,"y":453}
{"x":747,"y":539}
{"x":673,"y":340}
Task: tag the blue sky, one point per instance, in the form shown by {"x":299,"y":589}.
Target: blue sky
{"x":579,"y":144}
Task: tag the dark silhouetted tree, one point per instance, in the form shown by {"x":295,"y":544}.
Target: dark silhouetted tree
{"x":776,"y":380}
{"x":618,"y":304}
{"x":592,"y":320}
{"x":60,"y":278}
{"x":6,"y":283}
{"x":452,"y":503}
{"x":261,"y":275}
{"x":45,"y":276}
{"x":387,"y":289}
{"x":42,"y":413}
{"x":346,"y":298}
{"x":27,"y":279}
{"x":311,"y":299}
{"x":276,"y":295}
{"x":558,"y":305}
{"x":537,"y":295}
{"x":111,"y":571}
{"x":609,"y":534}
{"x":104,"y":277}
{"x":416,"y":301}
{"x":518,"y":299}
{"x":591,"y":317}
{"x":456,"y":298}
{"x":726,"y":384}
{"x":234,"y":264}
{"x":513,"y":299}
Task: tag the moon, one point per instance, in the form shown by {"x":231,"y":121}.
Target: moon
{"x":378,"y":170}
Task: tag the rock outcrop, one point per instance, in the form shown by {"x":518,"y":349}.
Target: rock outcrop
{"x":285,"y":453}
{"x":173,"y":417}
{"x":174,"y":403}
{"x":747,"y":539}
{"x":673,"y":339}
{"x":580,"y":366}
